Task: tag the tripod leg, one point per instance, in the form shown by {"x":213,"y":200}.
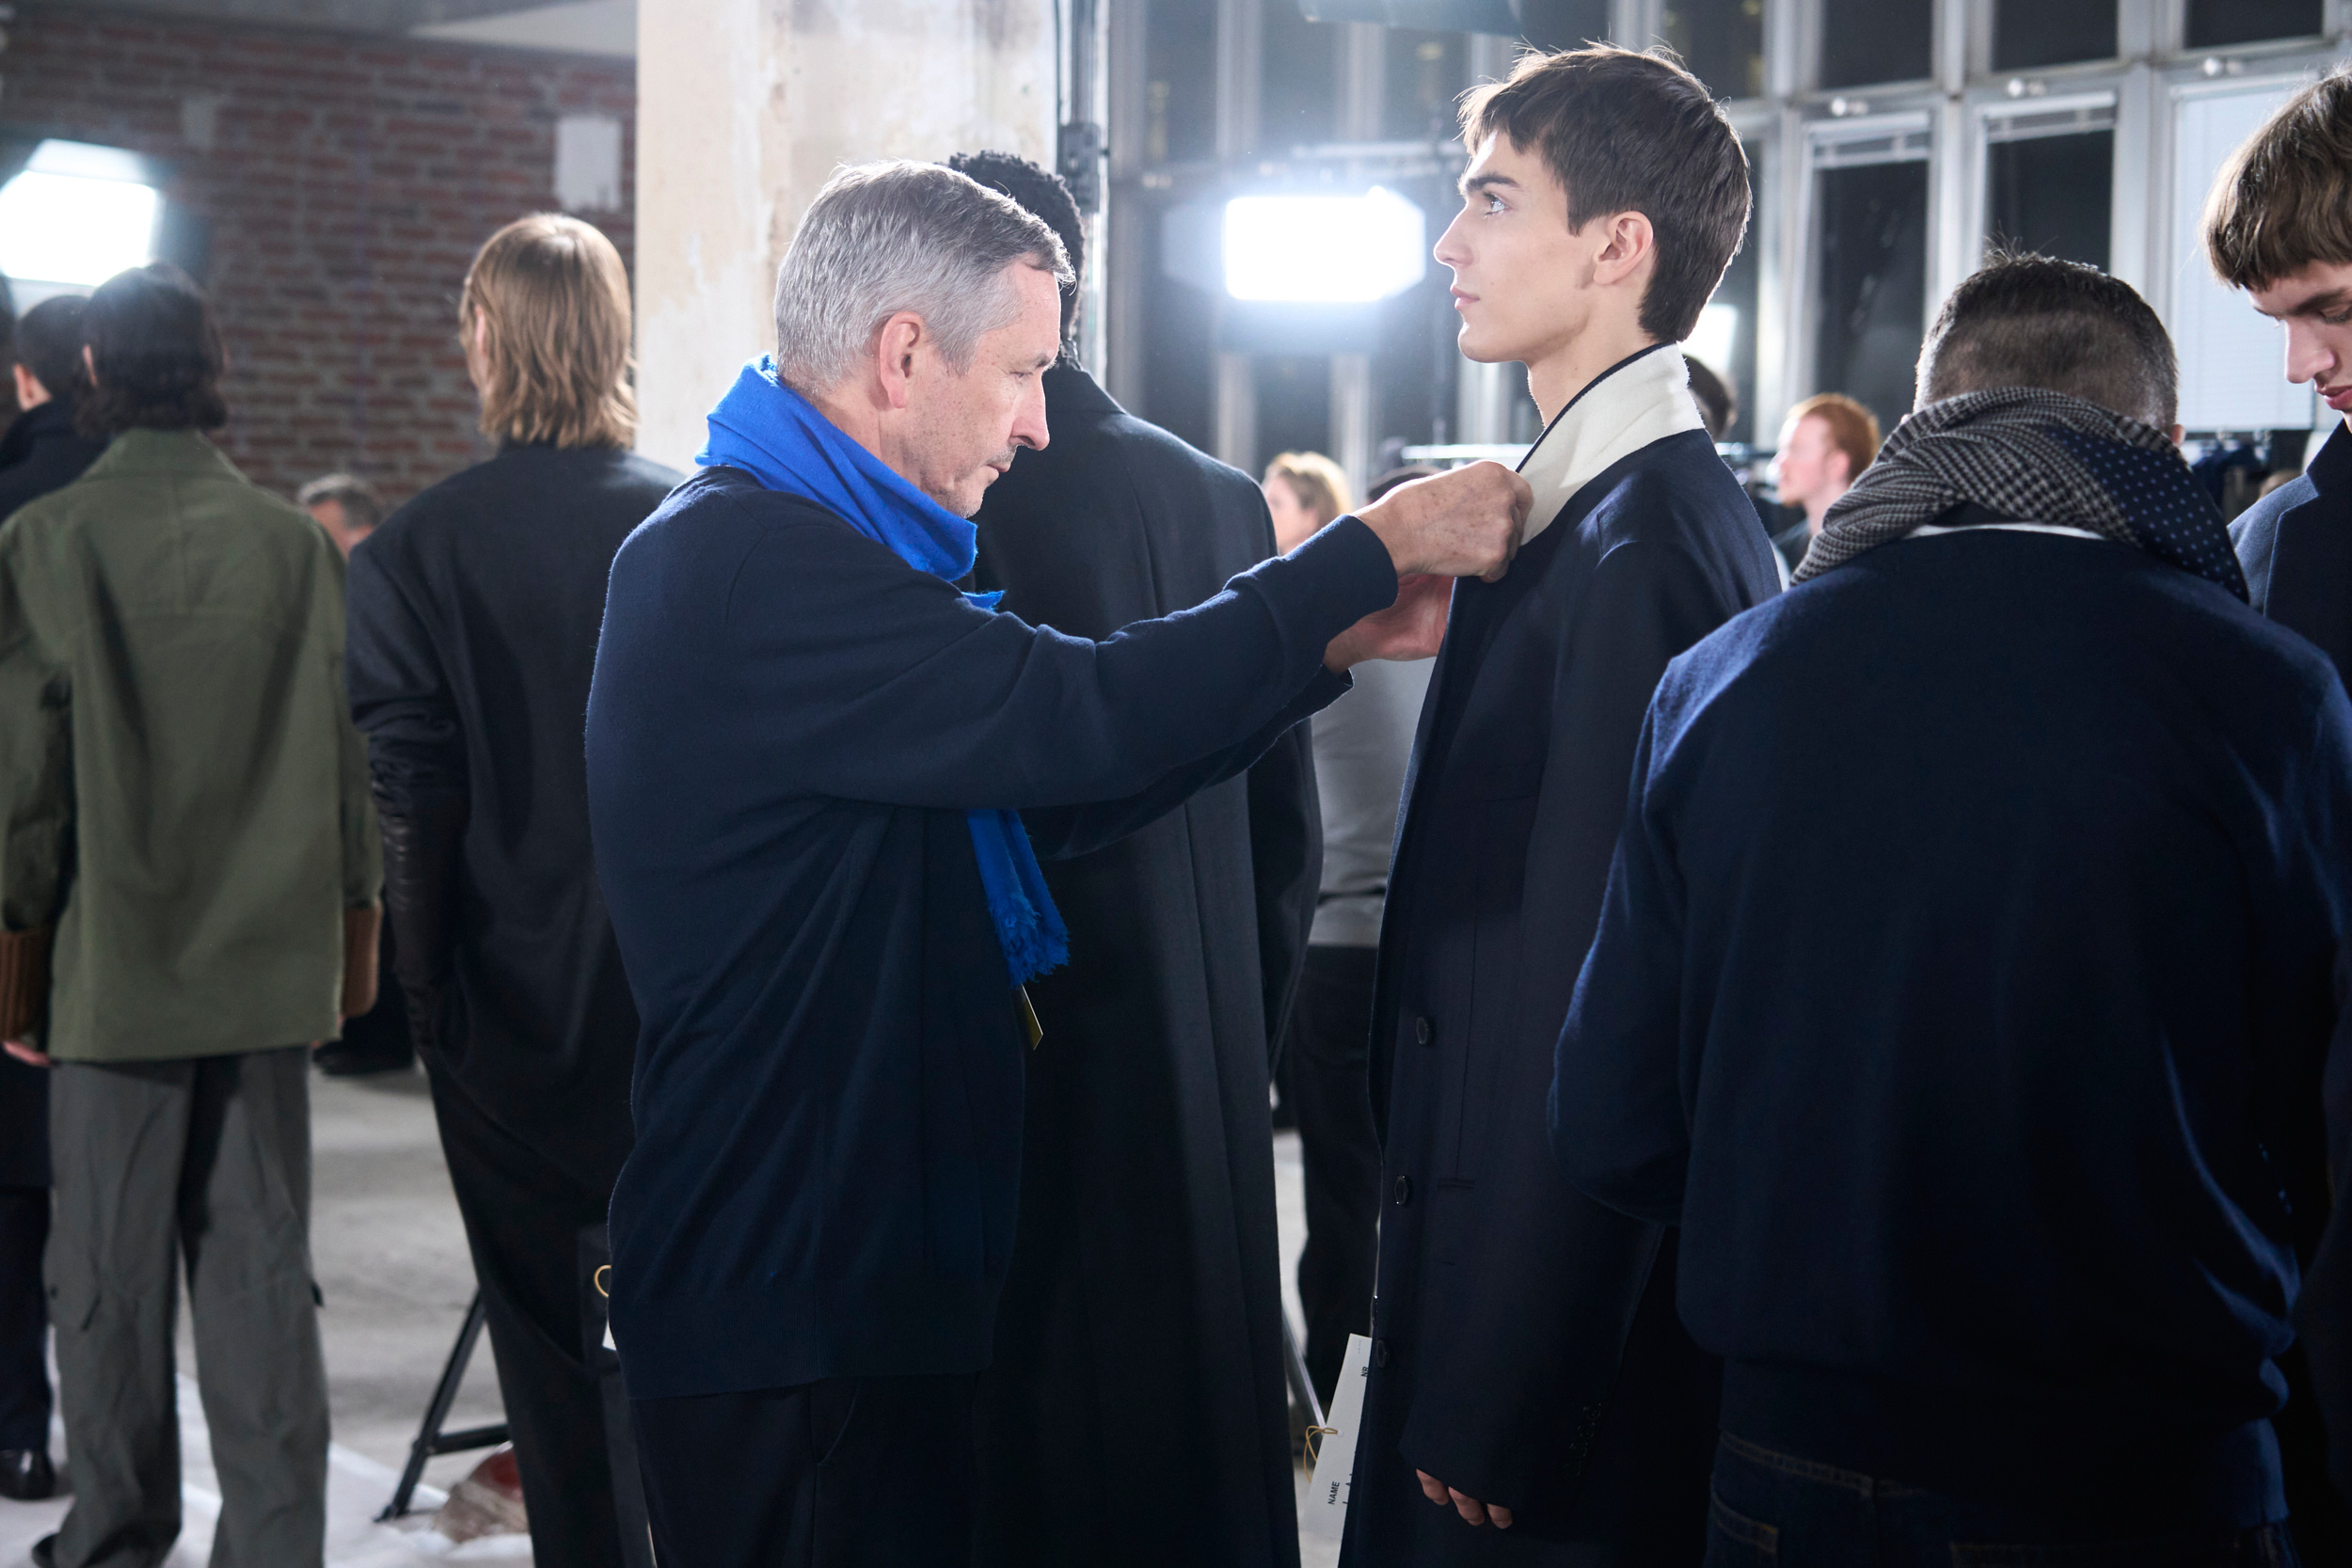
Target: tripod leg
{"x":437,"y":1412}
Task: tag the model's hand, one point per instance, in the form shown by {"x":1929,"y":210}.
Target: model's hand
{"x":1410,"y":628}
{"x":1461,"y":524}
{"x":25,"y":1053}
{"x":1471,"y":1509}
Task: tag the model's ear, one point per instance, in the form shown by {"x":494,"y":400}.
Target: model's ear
{"x":1629,"y":247}
{"x":2179,"y":431}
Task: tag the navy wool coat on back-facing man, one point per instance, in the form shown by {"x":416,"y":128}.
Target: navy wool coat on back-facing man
{"x":1965,"y":985}
{"x":1526,"y":1363}
{"x":805,"y":748}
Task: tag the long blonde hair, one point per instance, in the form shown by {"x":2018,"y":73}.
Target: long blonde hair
{"x":547,"y":298}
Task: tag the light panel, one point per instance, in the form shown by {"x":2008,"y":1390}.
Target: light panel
{"x":1324,"y":249}
{"x":71,"y":228}
{"x":1711,"y":340}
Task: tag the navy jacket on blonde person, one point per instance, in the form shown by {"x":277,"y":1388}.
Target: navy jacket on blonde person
{"x":786,"y":728}
{"x":1963,"y":992}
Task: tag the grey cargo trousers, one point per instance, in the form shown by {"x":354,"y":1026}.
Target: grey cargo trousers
{"x":206,"y":1160}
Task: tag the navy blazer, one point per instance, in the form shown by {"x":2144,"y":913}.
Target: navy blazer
{"x":2295,"y":546}
{"x":1505,"y":1297}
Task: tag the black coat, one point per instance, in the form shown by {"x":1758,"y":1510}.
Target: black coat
{"x":474,"y":617}
{"x":1525,"y":1346}
{"x":39,"y":454}
{"x":1139,"y":1331}
{"x":2295,"y":546}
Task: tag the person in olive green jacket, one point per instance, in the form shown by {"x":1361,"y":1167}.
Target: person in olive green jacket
{"x":189,"y":865}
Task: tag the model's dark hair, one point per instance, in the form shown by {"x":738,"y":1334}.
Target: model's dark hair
{"x":1631,"y":133}
{"x":2283,"y":201}
{"x":1043,"y":195}
{"x":2035,"y":320}
{"x":49,"y":344}
{"x":156,"y":352}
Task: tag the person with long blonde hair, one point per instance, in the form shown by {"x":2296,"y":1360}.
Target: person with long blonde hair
{"x":474,"y":614}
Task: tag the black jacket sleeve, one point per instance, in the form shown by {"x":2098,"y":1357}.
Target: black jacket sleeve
{"x":1286,"y":861}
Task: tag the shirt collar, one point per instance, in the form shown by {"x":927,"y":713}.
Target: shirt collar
{"x":1642,"y":398}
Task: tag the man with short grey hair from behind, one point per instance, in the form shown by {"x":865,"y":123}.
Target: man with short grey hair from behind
{"x":820,"y":780}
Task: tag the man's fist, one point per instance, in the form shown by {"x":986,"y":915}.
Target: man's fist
{"x":1461,"y":524}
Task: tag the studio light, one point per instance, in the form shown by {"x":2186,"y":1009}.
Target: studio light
{"x":1711,"y":340}
{"x":76,"y":216}
{"x":1324,"y":249}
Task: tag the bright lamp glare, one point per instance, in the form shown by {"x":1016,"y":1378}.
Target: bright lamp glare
{"x":67,"y":229}
{"x":1711,"y":342}
{"x":1326,"y":249}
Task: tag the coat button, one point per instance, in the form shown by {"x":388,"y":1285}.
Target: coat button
{"x":1423,"y":1031}
{"x":1379,"y":1353}
{"x":1404,"y":1190}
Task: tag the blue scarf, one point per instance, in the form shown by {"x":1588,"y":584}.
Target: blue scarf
{"x":771,"y":433}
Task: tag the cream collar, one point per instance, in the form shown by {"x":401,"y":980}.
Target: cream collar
{"x":1643,"y":400}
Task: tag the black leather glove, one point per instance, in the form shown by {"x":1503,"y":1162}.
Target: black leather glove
{"x":421,"y":841}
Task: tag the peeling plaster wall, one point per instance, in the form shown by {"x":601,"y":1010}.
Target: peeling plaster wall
{"x":745,"y":107}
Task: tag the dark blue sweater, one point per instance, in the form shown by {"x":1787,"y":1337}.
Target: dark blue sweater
{"x":1964,"y":990}
{"x":786,"y":726}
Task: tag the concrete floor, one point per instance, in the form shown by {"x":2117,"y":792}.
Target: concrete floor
{"x":391,"y":1262}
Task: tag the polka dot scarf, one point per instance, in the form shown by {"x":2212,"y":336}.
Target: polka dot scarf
{"x":2037,"y":456}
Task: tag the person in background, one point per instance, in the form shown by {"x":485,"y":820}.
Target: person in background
{"x":1826,"y":441}
{"x":42,"y":448}
{"x":40,"y":452}
{"x":348,"y":508}
{"x":2273,"y":228}
{"x":1988,"y":1101}
{"x":1147,"y":1273}
{"x":1304,"y":491}
{"x":1719,"y":405}
{"x":1527,"y":1375}
{"x":1361,"y":744}
{"x":474,"y":612}
{"x":345,"y":505}
{"x":188,"y":873}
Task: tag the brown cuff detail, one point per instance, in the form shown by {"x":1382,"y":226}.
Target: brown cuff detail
{"x":23,"y":981}
{"x":360,"y":933}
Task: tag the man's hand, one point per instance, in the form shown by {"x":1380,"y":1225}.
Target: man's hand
{"x":1471,"y":1509}
{"x":1410,"y":628}
{"x":1461,"y":524}
{"x":25,"y":1053}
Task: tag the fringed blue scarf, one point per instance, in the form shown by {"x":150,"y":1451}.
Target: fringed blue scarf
{"x":771,"y":433}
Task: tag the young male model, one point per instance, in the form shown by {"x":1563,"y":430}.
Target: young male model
{"x":2273,"y":228}
{"x":1532,"y":1398}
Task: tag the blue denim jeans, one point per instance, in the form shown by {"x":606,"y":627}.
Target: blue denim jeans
{"x":1774,"y":1511}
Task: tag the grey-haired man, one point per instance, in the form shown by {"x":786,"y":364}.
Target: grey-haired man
{"x":806,"y":750}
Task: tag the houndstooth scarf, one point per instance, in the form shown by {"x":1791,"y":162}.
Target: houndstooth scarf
{"x":2038,"y":456}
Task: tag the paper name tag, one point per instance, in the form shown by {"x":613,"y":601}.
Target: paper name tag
{"x":1325,"y":1513}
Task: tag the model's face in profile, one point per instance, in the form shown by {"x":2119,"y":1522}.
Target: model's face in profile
{"x":1809,"y":467}
{"x":1521,"y":277}
{"x":960,"y":429}
{"x":2316,"y":307}
{"x":1293,"y":520}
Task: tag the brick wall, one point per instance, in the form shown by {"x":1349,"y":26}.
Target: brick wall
{"x":347,"y":181}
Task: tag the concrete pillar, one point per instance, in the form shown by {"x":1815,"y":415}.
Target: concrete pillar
{"x":1351,"y":418}
{"x":744,"y":109}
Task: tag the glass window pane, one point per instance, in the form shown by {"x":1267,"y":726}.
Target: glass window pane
{"x":1180,"y":83}
{"x":1721,"y":41}
{"x":2030,"y":33}
{"x":1424,"y":72}
{"x":1299,"y":85}
{"x":2052,"y":195}
{"x":1563,"y":24}
{"x":1725,"y":338}
{"x":2212,"y":22}
{"x":1870,"y":284}
{"x":1876,"y":40}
